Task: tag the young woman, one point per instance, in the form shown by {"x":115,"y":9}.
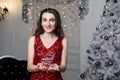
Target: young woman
{"x":47,"y":49}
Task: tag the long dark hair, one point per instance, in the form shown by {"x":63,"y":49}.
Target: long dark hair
{"x":58,"y":29}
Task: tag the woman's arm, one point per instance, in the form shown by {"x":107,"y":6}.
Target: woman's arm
{"x":30,"y":66}
{"x":63,"y":65}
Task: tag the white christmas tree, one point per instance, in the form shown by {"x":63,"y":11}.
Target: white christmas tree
{"x":104,"y":52}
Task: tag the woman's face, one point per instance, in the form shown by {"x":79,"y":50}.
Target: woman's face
{"x":48,"y":22}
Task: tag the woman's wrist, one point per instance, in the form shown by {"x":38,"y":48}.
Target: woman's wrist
{"x":57,"y":67}
{"x":38,"y":68}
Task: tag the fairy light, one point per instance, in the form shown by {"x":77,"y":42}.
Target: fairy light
{"x":63,"y":13}
{"x":64,"y":26}
{"x":64,"y":16}
{"x":57,"y":6}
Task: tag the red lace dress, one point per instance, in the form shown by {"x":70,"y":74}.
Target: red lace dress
{"x":41,"y":52}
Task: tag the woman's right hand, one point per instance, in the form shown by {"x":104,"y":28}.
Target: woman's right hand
{"x":41,"y":67}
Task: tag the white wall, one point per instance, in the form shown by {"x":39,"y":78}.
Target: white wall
{"x":14,"y":33}
{"x":87,"y":28}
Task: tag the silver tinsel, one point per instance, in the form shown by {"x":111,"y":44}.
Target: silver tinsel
{"x":54,"y":2}
{"x":83,"y":7}
{"x":25,"y":11}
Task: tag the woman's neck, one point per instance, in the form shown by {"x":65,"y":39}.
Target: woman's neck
{"x":48,"y":35}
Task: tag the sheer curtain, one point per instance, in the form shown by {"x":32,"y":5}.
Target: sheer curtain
{"x":68,"y":10}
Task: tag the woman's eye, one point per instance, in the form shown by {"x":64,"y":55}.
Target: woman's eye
{"x":43,"y":19}
{"x":52,"y":20}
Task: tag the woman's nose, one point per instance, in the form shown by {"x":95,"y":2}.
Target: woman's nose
{"x":48,"y":22}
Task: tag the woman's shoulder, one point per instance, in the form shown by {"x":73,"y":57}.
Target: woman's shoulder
{"x":64,"y":40}
{"x":31,"y":38}
{"x":34,"y":36}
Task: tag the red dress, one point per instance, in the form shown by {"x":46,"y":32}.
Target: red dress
{"x":54,"y":52}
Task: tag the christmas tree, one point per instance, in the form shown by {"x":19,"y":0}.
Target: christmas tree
{"x":104,"y":50}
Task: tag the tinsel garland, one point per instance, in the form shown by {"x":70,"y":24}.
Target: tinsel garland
{"x":55,"y":2}
{"x":25,"y":11}
{"x":84,"y":8}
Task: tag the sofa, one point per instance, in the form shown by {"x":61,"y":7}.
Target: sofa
{"x":12,"y":68}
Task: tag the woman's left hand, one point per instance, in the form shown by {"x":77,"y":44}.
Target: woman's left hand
{"x":53,"y":67}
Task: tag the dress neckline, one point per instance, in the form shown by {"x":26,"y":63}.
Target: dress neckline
{"x":50,"y":45}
